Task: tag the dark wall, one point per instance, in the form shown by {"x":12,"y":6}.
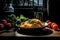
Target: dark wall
{"x":54,"y":11}
{"x":26,"y":12}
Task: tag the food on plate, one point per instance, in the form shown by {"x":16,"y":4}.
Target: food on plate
{"x":32,"y":23}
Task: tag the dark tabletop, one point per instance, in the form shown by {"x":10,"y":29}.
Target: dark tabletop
{"x":14,"y":33}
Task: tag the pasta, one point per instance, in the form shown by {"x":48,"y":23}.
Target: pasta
{"x":33,"y":23}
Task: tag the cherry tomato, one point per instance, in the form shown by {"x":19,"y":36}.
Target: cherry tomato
{"x":4,"y":21}
{"x":48,"y":21}
{"x":55,"y":26}
{"x":1,"y":26}
{"x":49,"y":24}
{"x":9,"y":25}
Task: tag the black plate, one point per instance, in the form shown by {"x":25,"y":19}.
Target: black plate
{"x":37,"y":32}
{"x":30,"y":31}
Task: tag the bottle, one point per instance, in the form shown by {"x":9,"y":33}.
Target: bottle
{"x":8,"y":8}
{"x":19,"y":2}
{"x":39,"y":16}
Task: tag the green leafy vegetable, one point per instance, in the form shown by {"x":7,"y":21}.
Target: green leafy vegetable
{"x":23,"y":18}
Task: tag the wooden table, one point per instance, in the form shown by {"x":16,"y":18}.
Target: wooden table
{"x":7,"y":34}
{"x":54,"y":34}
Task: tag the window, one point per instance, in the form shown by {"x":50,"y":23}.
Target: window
{"x":25,"y":2}
{"x":40,"y":2}
{"x":30,"y":2}
{"x":35,"y":2}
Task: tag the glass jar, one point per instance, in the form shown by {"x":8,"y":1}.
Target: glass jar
{"x":8,"y":8}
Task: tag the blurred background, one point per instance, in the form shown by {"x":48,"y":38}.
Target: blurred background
{"x":49,"y":8}
{"x":28,"y":7}
{"x":54,"y":9}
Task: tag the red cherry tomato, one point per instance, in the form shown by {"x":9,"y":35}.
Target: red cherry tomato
{"x":49,"y":24}
{"x":55,"y":26}
{"x":4,"y":21}
{"x":1,"y":26}
{"x":9,"y":25}
{"x":48,"y":21}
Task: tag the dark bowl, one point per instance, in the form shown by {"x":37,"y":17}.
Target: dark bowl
{"x":30,"y":31}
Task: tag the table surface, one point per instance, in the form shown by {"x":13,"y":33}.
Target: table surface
{"x":7,"y":34}
{"x":54,"y":34}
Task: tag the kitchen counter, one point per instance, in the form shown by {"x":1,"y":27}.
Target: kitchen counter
{"x":15,"y":33}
